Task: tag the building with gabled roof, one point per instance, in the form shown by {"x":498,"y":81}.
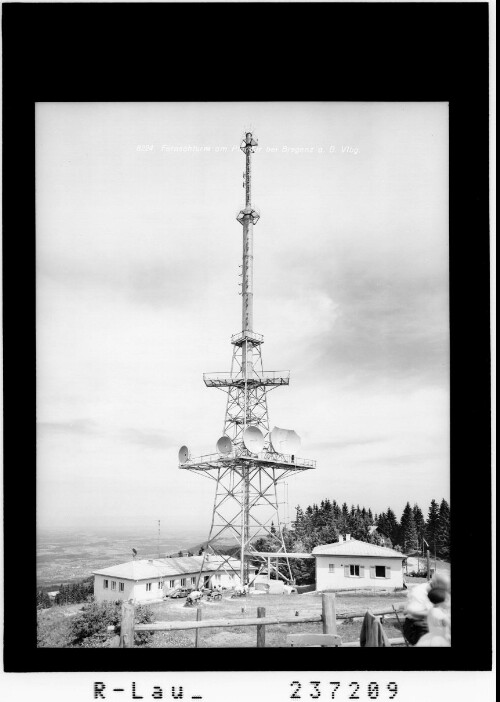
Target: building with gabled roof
{"x":349,"y":564}
{"x":146,"y":580}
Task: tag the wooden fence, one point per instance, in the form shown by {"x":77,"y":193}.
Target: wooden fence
{"x":328,"y":617}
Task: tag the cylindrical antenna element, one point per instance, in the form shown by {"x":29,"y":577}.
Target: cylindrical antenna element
{"x":248,"y":174}
{"x":247,"y":217}
{"x":247,"y":277}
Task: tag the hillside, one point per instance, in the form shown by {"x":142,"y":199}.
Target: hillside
{"x":54,"y":625}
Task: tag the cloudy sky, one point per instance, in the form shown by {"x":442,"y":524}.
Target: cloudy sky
{"x":138,"y":255}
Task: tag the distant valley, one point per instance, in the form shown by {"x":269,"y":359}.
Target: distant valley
{"x":65,"y":557}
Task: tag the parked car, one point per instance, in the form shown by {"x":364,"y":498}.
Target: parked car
{"x":180,"y":592}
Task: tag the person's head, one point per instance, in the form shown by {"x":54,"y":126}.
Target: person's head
{"x":439,"y":588}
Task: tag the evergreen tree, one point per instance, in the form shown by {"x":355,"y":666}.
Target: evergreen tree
{"x":432,"y":524}
{"x":419,"y":520}
{"x":392,"y":526}
{"x":299,"y":527}
{"x":443,"y":530}
{"x":357,"y":526}
{"x":336,"y":511}
{"x":42,"y":600}
{"x":343,"y":520}
{"x":376,"y":538}
{"x":408,"y":535}
{"x":382,"y":524}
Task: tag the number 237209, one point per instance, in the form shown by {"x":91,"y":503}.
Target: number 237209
{"x":344,"y":691}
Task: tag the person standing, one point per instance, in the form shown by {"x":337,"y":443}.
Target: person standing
{"x":417,"y":609}
{"x":420,"y":604}
{"x":439,"y":616}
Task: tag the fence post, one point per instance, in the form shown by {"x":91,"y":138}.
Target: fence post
{"x":197,"y":634}
{"x":127,"y":625}
{"x":261,"y":628}
{"x":328,"y":613}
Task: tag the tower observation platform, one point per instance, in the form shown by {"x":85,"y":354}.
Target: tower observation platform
{"x":251,"y":460}
{"x":288,"y":462}
{"x":254,"y":376}
{"x":268,"y":379}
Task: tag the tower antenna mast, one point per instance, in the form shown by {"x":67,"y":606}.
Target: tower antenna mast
{"x":250,"y":459}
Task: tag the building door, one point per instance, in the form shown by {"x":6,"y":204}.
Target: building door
{"x":206,"y":581}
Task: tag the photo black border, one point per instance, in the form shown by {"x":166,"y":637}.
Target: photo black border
{"x":239,"y":52}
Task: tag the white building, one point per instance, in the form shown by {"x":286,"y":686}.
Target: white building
{"x":350,"y":564}
{"x":148,"y":580}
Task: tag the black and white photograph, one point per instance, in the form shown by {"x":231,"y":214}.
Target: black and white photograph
{"x":247,"y":399}
{"x":175,"y":239}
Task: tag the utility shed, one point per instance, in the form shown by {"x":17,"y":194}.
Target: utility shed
{"x":350,"y":564}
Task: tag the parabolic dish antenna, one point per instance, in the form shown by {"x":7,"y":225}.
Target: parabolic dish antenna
{"x":224,"y":445}
{"x":253,"y":439}
{"x":183,"y":454}
{"x":285,"y":440}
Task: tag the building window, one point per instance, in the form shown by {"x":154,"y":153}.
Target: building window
{"x":331,"y":568}
{"x":172,"y":583}
{"x":148,"y":587}
{"x":121,"y":587}
{"x":183,"y":582}
{"x":217,"y":577}
{"x":380,"y":571}
{"x":160,"y":584}
{"x":231,"y":576}
{"x":354,"y":570}
{"x":105,"y":584}
{"x":193,"y":581}
{"x":113,"y":584}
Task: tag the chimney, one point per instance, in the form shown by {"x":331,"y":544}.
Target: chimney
{"x":341,"y":538}
{"x":347,"y":537}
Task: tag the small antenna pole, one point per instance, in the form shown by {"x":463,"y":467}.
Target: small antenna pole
{"x":159,"y":539}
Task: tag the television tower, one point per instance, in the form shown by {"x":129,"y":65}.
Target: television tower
{"x":250,"y":459}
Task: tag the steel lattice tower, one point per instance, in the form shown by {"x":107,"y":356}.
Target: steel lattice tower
{"x":246,"y":502}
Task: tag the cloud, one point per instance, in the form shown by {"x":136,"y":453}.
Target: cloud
{"x":147,"y":439}
{"x":372,"y":322}
{"x":137,"y":295}
{"x":156,"y":283}
{"x":347,"y":443}
{"x":86,"y":427}
{"x":90,"y":428}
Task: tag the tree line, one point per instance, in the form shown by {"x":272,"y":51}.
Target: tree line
{"x":72,"y":593}
{"x":326,"y":522}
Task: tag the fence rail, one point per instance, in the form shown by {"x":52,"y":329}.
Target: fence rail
{"x":328,"y":617}
{"x":217,"y":623}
